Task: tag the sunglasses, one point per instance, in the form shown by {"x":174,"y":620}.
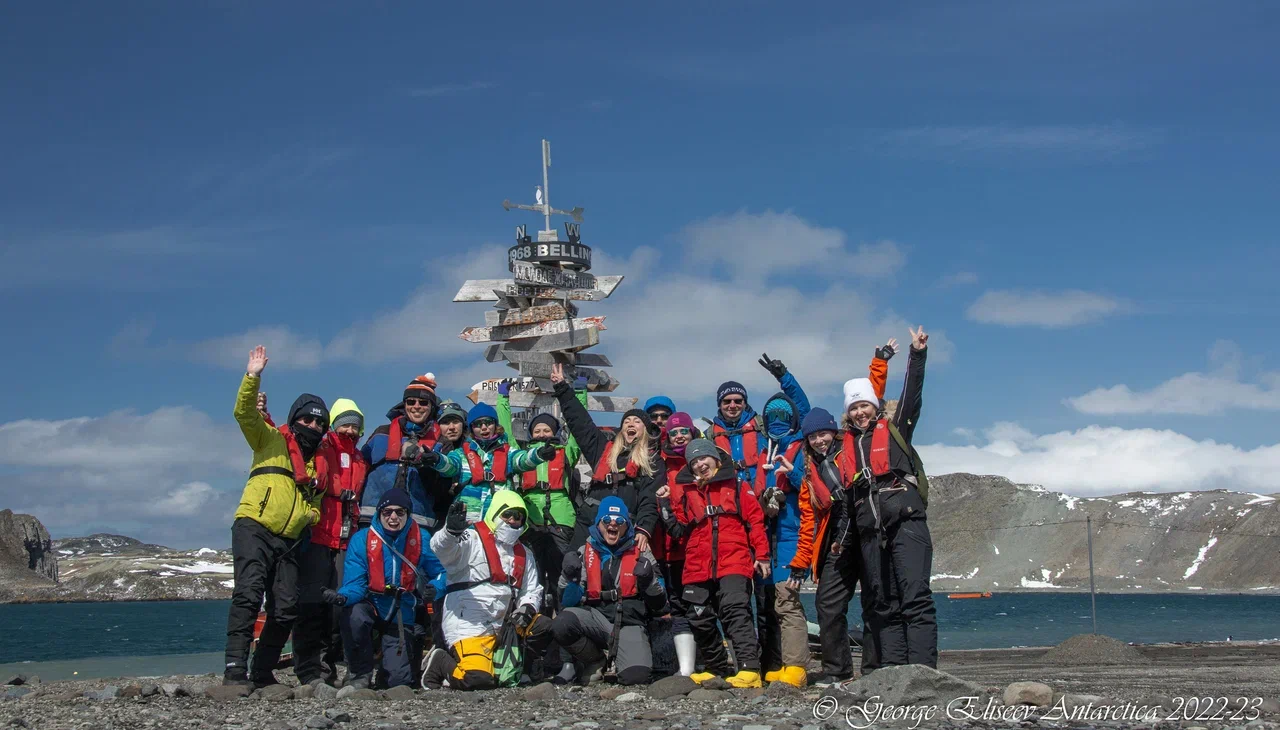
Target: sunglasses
{"x":395,"y":512}
{"x":483,"y":422}
{"x":312,"y":421}
{"x":613,"y":520}
{"x":416,"y":402}
{"x":659,"y":414}
{"x":512,"y":514}
{"x":732,"y":401}
{"x":680,"y":432}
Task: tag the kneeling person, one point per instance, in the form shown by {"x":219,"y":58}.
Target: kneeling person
{"x":385,"y":563}
{"x":491,"y":576}
{"x":609,"y":593}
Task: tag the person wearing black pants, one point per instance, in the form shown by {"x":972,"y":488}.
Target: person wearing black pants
{"x":836,"y":584}
{"x":264,"y":564}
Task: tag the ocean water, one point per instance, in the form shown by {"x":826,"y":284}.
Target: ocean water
{"x":120,"y":639}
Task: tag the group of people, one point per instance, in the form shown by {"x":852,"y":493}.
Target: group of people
{"x":444,"y":552}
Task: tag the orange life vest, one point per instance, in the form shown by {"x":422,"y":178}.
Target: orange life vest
{"x":605,"y":472}
{"x":626,"y":587}
{"x":849,"y":456}
{"x":555,"y":474}
{"x":395,"y":438}
{"x":762,"y":474}
{"x":408,"y":567}
{"x":750,"y":443}
{"x":494,"y":559}
{"x":497,"y":471}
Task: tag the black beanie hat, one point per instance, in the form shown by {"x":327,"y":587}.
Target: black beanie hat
{"x":395,"y":497}
{"x":546,"y":418}
{"x":310,"y":405}
{"x":644,"y":418}
{"x":730,"y":387}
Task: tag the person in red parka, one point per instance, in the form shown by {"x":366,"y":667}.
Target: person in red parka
{"x":317,"y":642}
{"x":668,"y":544}
{"x":725,"y":547}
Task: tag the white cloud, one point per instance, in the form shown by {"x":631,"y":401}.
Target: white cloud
{"x":1097,"y":460}
{"x":149,"y":475}
{"x":1193,"y":394}
{"x":1017,"y":308}
{"x":960,"y":278}
{"x":1089,"y":138}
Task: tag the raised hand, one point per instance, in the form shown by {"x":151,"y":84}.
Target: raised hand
{"x":557,"y":372}
{"x":919,"y":338}
{"x":775,"y":367}
{"x":889,"y":349}
{"x":456,"y":521}
{"x":257,"y":361}
{"x":504,"y":386}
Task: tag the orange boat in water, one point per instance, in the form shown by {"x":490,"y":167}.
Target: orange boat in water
{"x":969,"y":595}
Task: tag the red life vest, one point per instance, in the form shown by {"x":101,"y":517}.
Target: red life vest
{"x":817,"y":486}
{"x":497,"y":472}
{"x":750,"y":442}
{"x":494,"y":559}
{"x":626,"y":587}
{"x":555,"y":474}
{"x":408,"y":567}
{"x":605,"y":471}
{"x":395,"y":438}
{"x":299,"y":465}
{"x":849,"y":456}
{"x":762,"y":475}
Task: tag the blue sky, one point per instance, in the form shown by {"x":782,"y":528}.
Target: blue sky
{"x":1078,"y":200}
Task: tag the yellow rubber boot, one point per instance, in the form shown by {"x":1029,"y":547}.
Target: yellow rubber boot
{"x":745,"y":678}
{"x":774,"y":676}
{"x":794,"y":676}
{"x":701,"y":677}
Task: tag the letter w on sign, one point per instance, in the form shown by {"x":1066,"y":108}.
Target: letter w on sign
{"x":515,"y":332}
{"x":525,"y":273}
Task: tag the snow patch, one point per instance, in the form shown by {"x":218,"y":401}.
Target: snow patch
{"x":1260,"y":499}
{"x":1028,"y":583}
{"x":206,"y":551}
{"x":1194,"y":588}
{"x":971,"y":574}
{"x":1195,"y":564}
{"x":993,"y":547}
{"x":229,"y":583}
{"x":1071,"y":501}
{"x":201,"y":566}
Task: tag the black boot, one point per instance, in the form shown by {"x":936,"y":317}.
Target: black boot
{"x":265,"y":659}
{"x":236,"y":676}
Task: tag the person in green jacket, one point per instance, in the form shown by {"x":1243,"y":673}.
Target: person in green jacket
{"x":289,"y":474}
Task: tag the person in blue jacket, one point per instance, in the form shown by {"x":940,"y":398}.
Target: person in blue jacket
{"x":738,"y":431}
{"x":389,"y":568}
{"x":780,"y":621}
{"x":394,"y":455}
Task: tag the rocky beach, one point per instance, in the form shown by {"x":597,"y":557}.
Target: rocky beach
{"x":1085,"y":682}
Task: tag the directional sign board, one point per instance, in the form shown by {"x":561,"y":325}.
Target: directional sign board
{"x":537,"y":275}
{"x":516,"y":358}
{"x":606,"y":403}
{"x":530,"y":315}
{"x":565,"y":341}
{"x":522,"y":331}
{"x":482,"y":290}
{"x":596,"y":379}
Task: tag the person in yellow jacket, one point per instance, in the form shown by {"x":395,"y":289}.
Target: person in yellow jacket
{"x":290,"y":473}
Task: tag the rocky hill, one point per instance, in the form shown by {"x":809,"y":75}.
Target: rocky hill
{"x":990,"y":534}
{"x":27,"y":561}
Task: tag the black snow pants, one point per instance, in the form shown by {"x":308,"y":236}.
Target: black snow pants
{"x":729,"y":600}
{"x":264,"y":564}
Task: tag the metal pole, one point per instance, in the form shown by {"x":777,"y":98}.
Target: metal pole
{"x":1093,"y":599}
{"x":546,"y":184}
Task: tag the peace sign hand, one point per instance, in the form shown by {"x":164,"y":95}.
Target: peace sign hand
{"x":557,"y":372}
{"x":919,"y":338}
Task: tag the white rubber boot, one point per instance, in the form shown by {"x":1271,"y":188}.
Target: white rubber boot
{"x":686,"y":653}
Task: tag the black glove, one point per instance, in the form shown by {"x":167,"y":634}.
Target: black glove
{"x":775,"y":367}
{"x":456,"y":521}
{"x":333,"y":597}
{"x":643,"y":573}
{"x":546,"y":452}
{"x":347,"y":495}
{"x":524,"y":616}
{"x":429,"y":458}
{"x":571,"y":567}
{"x":428,"y":593}
{"x":410,"y":453}
{"x":885,"y":352}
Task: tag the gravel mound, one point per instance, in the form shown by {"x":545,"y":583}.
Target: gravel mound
{"x":1094,"y":649}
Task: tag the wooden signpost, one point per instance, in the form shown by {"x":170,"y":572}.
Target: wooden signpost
{"x":534,"y":324}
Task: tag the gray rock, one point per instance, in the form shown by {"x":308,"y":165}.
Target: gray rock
{"x":110,"y":692}
{"x":219,"y":692}
{"x":668,"y":687}
{"x":389,"y":725}
{"x":716,"y":683}
{"x":337,"y":715}
{"x":360,"y":695}
{"x":131,"y":690}
{"x":319,"y":722}
{"x":733,"y":718}
{"x":629,"y":697}
{"x":544,"y":691}
{"x":16,"y":680}
{"x":1072,"y":701}
{"x":150,"y":690}
{"x":1269,"y":706}
{"x":176,"y":690}
{"x":758,"y":700}
{"x":613,"y":692}
{"x":345,"y":692}
{"x":709,"y":695}
{"x":652,"y":715}
{"x":16,"y":693}
{"x":325,"y":692}
{"x":305,"y":692}
{"x":912,"y":684}
{"x":757,"y":727}
{"x":782,"y":689}
{"x":280,"y":725}
{"x":398,"y":694}
{"x":587,"y":724}
{"x":276,"y":693}
{"x":1036,"y":694}
{"x":33,"y":680}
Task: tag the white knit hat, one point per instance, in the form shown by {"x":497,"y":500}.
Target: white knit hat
{"x":859,"y":389}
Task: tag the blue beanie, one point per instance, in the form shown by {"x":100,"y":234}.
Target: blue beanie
{"x":482,"y":410}
{"x":777,"y":409}
{"x":817,"y":420}
{"x":728,"y":387}
{"x":613,"y":507}
{"x":659,"y":401}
